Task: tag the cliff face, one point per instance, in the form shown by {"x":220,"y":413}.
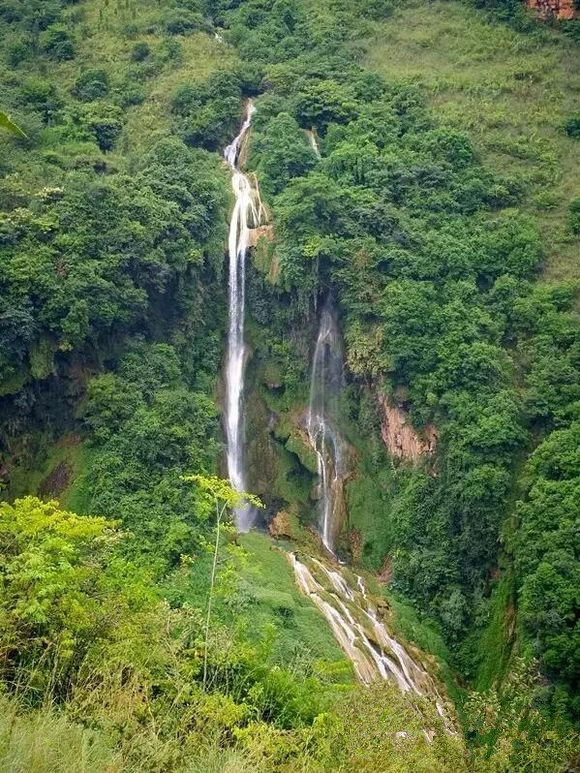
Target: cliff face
{"x":564,"y":10}
{"x":399,"y":435}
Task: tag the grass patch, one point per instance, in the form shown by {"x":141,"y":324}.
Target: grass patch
{"x":47,"y":742}
{"x":273,"y":598}
{"x":512,"y":91}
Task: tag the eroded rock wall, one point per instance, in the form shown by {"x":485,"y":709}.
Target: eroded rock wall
{"x":399,"y":435}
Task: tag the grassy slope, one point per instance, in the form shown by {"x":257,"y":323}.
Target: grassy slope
{"x":510,"y":90}
{"x":104,"y":40}
{"x":302,"y":632}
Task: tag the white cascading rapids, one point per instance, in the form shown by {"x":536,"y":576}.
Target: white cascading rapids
{"x":321,"y":423}
{"x":247,"y":212}
{"x":356,"y":625}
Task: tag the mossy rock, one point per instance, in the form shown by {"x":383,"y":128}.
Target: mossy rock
{"x":41,"y":359}
{"x":298,"y":445}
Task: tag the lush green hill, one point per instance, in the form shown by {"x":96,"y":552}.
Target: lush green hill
{"x":514,"y":91}
{"x":441,"y":214}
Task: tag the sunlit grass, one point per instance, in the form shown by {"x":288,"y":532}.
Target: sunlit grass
{"x":511,"y":91}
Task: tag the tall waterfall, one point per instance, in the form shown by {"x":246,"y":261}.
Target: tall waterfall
{"x":246,"y":213}
{"x":322,"y":424}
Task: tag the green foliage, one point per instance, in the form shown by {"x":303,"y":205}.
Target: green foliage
{"x":546,"y":562}
{"x":57,"y":601}
{"x":324,"y":102}
{"x":91,"y":85}
{"x":206,"y":114}
{"x":280,"y":153}
{"x":57,"y":43}
{"x":140,"y":52}
{"x":183,"y":22}
{"x":512,"y":735}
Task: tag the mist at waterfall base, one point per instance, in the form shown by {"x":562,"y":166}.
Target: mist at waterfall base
{"x":246,"y":213}
{"x":327,"y":380}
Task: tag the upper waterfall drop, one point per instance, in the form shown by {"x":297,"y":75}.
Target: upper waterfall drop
{"x":247,"y":212}
{"x":322,"y":423}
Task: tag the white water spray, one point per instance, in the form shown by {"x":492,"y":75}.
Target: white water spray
{"x":365,"y":639}
{"x":321,"y":424}
{"x":247,"y":212}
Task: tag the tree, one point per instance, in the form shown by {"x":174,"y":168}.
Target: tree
{"x":223,"y":498}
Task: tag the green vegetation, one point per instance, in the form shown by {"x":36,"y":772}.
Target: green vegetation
{"x":139,"y":632}
{"x":514,"y":90}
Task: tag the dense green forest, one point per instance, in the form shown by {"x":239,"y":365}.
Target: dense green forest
{"x":419,"y":163}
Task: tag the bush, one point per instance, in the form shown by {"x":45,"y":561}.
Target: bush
{"x":572,"y":127}
{"x":57,"y":43}
{"x":325,"y":102}
{"x":140,"y":52}
{"x":574,"y":216}
{"x":104,"y":122}
{"x":19,"y":51}
{"x":183,"y":22}
{"x":41,"y":95}
{"x":91,"y":85}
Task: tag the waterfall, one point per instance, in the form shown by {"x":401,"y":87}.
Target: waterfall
{"x":322,"y":424}
{"x":313,"y":142}
{"x":365,"y":639}
{"x":246,"y":212}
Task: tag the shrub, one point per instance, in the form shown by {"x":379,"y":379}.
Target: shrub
{"x":140,"y":52}
{"x":574,"y":215}
{"x":104,"y":122}
{"x":183,"y":22}
{"x":18,"y":51}
{"x":57,"y":43}
{"x":572,"y":127}
{"x":325,"y":102}
{"x":42,"y":96}
{"x":91,"y":85}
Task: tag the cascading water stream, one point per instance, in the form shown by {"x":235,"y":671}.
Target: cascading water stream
{"x":356,"y":625}
{"x":313,"y":142}
{"x":247,"y":211}
{"x":322,"y":424}
{"x":353,"y":618}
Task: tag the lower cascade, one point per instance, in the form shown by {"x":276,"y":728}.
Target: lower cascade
{"x":363,"y":636}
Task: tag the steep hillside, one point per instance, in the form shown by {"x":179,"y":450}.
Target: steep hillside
{"x":408,"y":366}
{"x":515,"y":92}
